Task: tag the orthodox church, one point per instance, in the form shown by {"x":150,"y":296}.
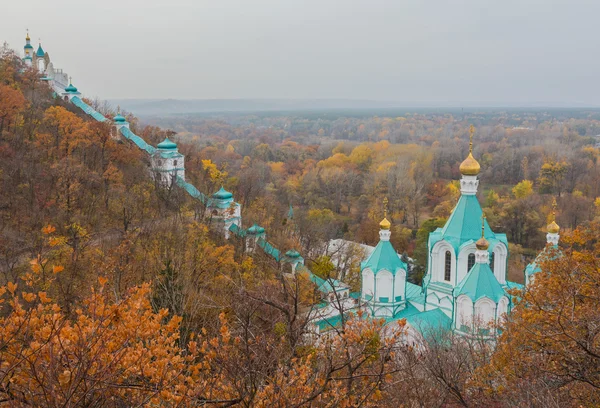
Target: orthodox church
{"x":465,"y":287}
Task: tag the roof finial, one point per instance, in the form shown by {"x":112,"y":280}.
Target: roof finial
{"x":385,"y":224}
{"x":27,"y":37}
{"x":385,"y":205}
{"x":482,"y":244}
{"x":70,"y":80}
{"x":553,"y":227}
{"x":471,"y":133}
{"x":118,"y":109}
{"x":482,"y":225}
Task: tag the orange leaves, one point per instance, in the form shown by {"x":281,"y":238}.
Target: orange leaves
{"x":12,"y":102}
{"x":12,"y":287}
{"x":48,"y":229}
{"x":43,"y":297}
{"x":57,"y":268}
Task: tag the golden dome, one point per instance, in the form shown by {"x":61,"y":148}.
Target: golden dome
{"x":482,"y":244}
{"x":385,"y":224}
{"x":470,"y":166}
{"x":553,"y":228}
{"x":27,"y":38}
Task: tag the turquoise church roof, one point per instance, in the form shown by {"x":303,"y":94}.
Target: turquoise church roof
{"x":222,"y":194}
{"x":255,"y":230}
{"x":384,"y":256}
{"x":70,"y":88}
{"x":480,"y":282}
{"x":534,"y":267}
{"x":464,"y":225}
{"x":167,"y":144}
{"x":119,"y":118}
{"x":40,"y":52}
{"x":28,"y":46}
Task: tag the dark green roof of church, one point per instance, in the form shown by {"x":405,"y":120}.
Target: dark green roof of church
{"x":222,"y":194}
{"x":255,"y":230}
{"x":384,"y":257}
{"x":167,"y":144}
{"x":480,"y":282}
{"x":70,"y":88}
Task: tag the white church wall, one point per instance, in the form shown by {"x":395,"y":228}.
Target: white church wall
{"x":463,"y":261}
{"x":464,"y":312}
{"x":399,"y":285}
{"x":500,"y":255}
{"x":384,"y":282}
{"x":485,"y":312}
{"x":368,"y":284}
{"x":502,"y":309}
{"x":438,"y":262}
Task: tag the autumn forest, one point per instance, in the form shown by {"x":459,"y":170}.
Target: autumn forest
{"x":116,"y":292}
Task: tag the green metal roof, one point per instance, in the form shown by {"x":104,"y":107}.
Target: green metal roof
{"x":40,"y":52}
{"x":413,"y":291}
{"x":384,"y":256}
{"x":70,"y":88}
{"x":430,"y":321}
{"x":119,"y":118}
{"x":167,"y":145}
{"x":545,"y":255}
{"x":28,"y":46}
{"x":292,"y":253}
{"x":480,"y":282}
{"x":464,"y":223}
{"x":222,"y":194}
{"x":255,"y":230}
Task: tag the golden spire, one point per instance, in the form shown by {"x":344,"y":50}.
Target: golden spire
{"x":482,"y":243}
{"x":470,"y":166}
{"x":471,"y":132}
{"x":385,"y":224}
{"x":553,"y":227}
{"x":27,"y":37}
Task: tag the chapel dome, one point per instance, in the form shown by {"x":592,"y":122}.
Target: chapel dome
{"x":553,"y":228}
{"x":167,"y":144}
{"x":385,"y":224}
{"x":470,"y":166}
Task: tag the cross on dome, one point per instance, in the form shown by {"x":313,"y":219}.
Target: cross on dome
{"x":470,"y":166}
{"x":385,"y":224}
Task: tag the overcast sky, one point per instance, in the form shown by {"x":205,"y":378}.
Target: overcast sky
{"x":519,"y":52}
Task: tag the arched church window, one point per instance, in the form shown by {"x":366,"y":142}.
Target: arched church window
{"x":492,"y":261}
{"x":174,"y":162}
{"x":470,"y":262}
{"x":447,"y":266}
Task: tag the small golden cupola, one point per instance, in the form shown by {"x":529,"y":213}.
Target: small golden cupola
{"x":385,"y":224}
{"x":553,"y":227}
{"x":470,"y":166}
{"x":482,"y":244}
